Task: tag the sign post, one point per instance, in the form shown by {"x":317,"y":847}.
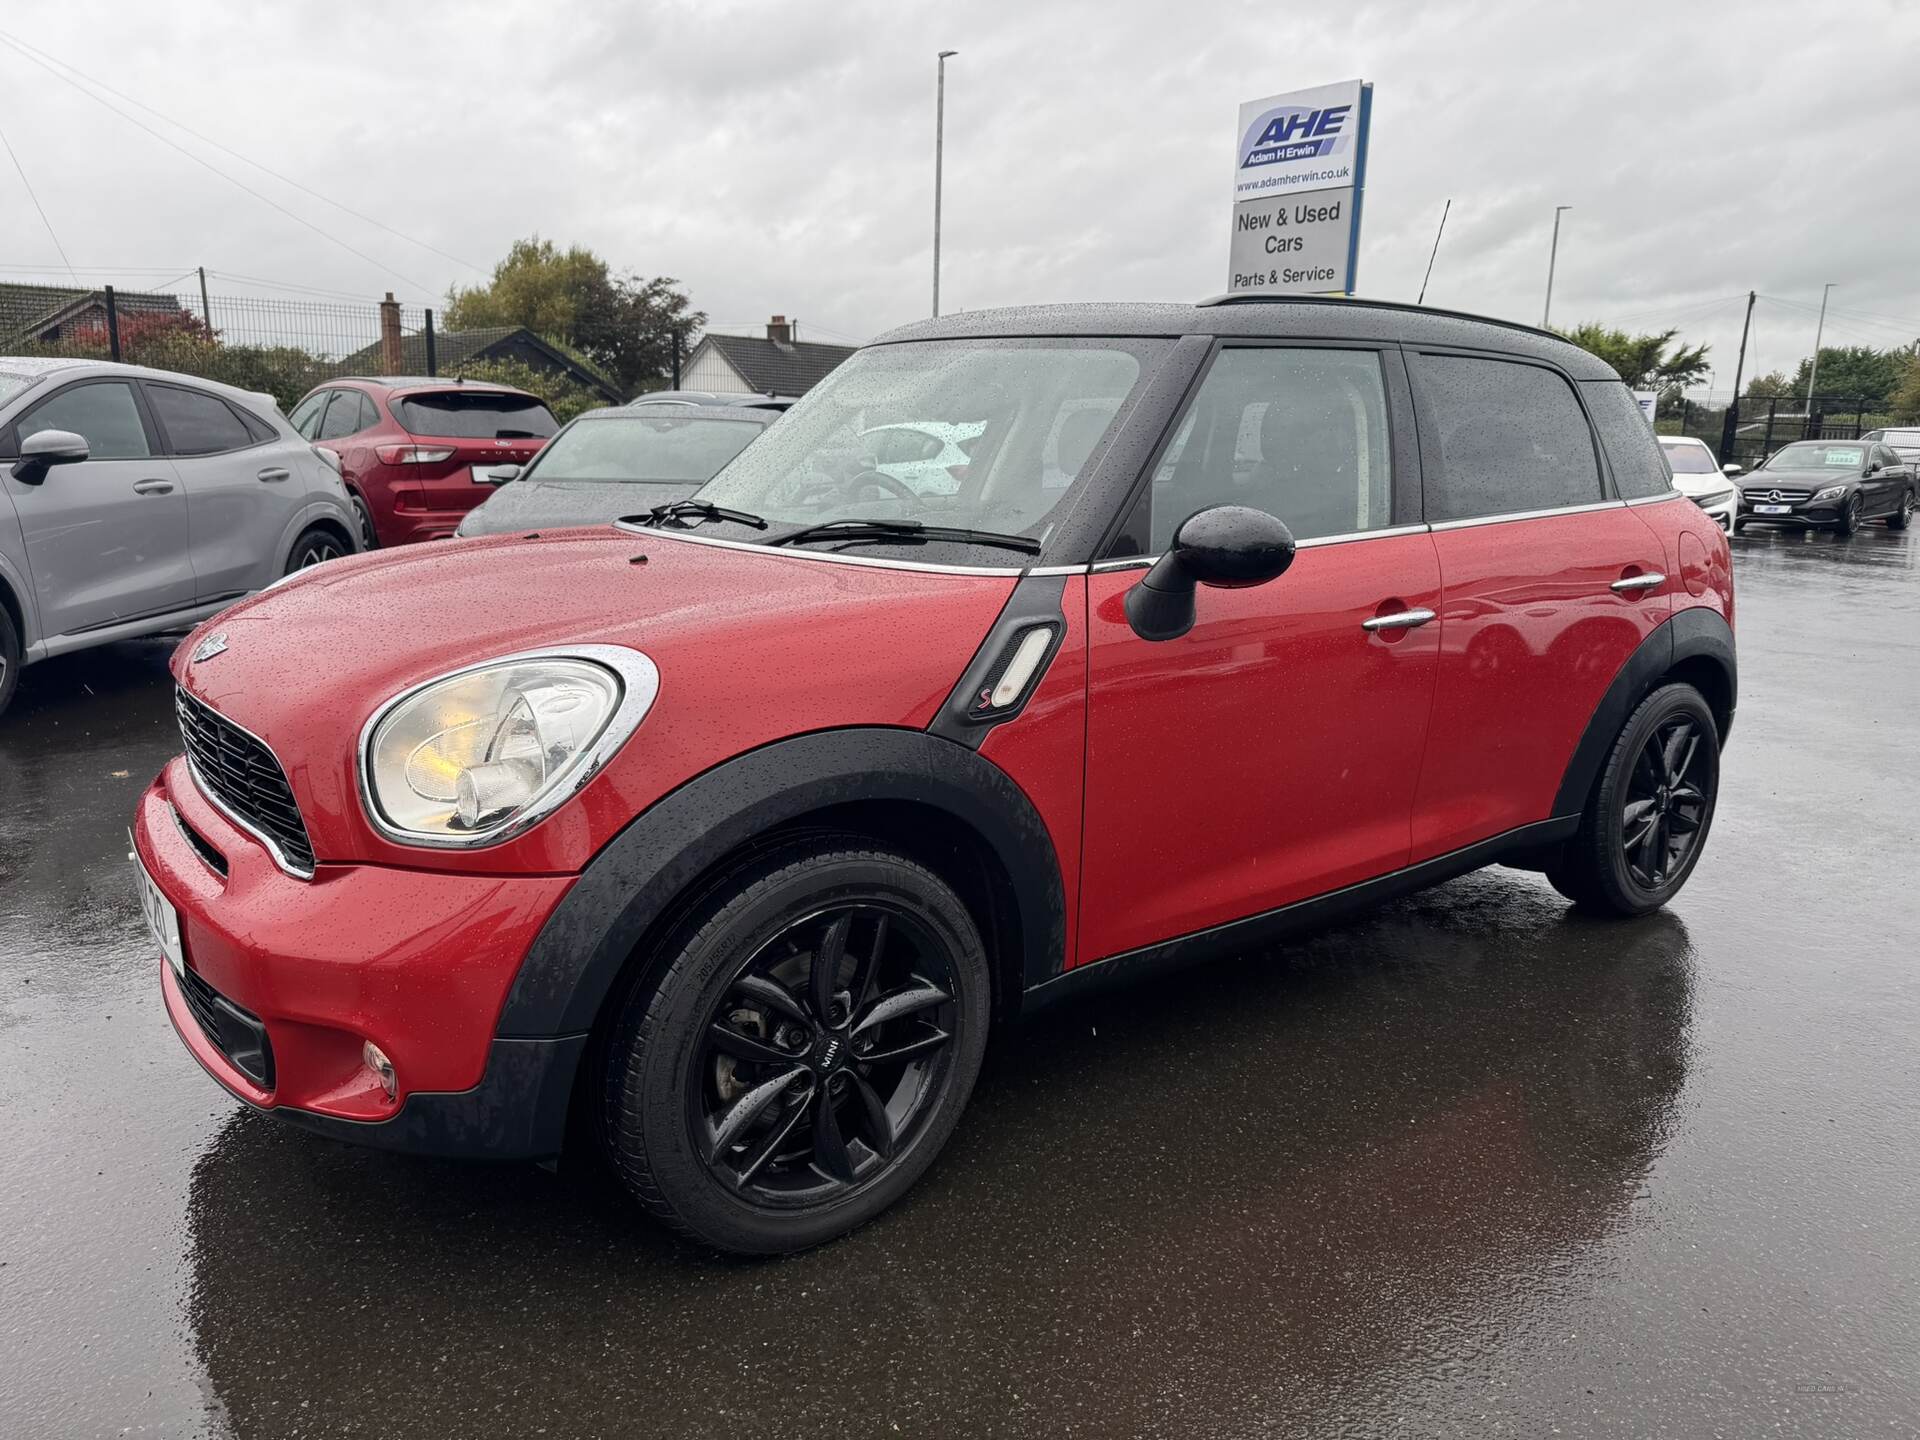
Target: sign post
{"x":1300,"y":170}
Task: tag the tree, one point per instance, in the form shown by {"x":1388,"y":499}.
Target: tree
{"x":563,"y":397}
{"x":1856,"y":371}
{"x":1771,"y":386}
{"x":1905,"y":400}
{"x":622,"y":323}
{"x":1645,"y":362}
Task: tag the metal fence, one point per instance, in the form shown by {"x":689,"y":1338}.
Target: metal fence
{"x":1749,"y":429}
{"x":282,"y":347}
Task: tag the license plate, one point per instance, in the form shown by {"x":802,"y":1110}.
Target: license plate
{"x":162,"y":919}
{"x":1773,"y":509}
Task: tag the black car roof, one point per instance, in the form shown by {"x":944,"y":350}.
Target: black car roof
{"x":1292,"y":317}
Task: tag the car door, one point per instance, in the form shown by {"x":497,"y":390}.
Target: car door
{"x":239,"y":499}
{"x":1549,"y":581}
{"x":107,"y":539}
{"x":1271,"y":753}
{"x":1889,"y":480}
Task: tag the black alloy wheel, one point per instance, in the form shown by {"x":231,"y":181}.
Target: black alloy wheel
{"x":315,"y":547}
{"x":1666,"y":802}
{"x":1902,"y":517}
{"x":805,"y":1052}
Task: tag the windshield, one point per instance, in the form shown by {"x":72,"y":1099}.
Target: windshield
{"x":662,"y":445}
{"x":987,"y":435}
{"x":1808,"y":455}
{"x":1690,"y":459}
{"x":474,"y":415}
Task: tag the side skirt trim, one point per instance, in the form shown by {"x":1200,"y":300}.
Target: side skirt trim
{"x":1238,"y":936}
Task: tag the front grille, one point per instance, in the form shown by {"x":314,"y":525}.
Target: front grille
{"x":241,"y":773}
{"x":229,"y":1029}
{"x":1787,"y":497}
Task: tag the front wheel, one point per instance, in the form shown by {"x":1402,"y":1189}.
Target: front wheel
{"x":1903,"y":517}
{"x":1850,"y":517}
{"x":1647,"y":819}
{"x":9,"y":659}
{"x":806,"y":1053}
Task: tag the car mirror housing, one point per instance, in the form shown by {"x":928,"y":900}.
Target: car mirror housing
{"x":1230,"y":547}
{"x":497,"y":474}
{"x":1731,"y":468}
{"x":48,"y":448}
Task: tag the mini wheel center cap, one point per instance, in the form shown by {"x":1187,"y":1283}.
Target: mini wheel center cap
{"x":827,"y":1053}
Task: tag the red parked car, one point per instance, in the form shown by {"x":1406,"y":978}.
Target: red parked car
{"x":414,"y":452}
{"x":727,"y":832}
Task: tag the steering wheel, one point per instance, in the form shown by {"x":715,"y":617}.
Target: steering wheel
{"x":880,"y":480}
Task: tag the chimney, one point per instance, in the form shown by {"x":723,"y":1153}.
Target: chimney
{"x":393,"y":358}
{"x":779,"y":331}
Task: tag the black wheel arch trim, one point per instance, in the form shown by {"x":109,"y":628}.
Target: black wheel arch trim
{"x":585,"y":945}
{"x":1694,"y":634}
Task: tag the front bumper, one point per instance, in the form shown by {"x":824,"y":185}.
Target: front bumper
{"x":1722,"y":510}
{"x":419,"y":963}
{"x":1805,"y":514}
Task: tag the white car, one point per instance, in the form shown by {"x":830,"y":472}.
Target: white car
{"x":1701,"y":478}
{"x":927,"y":456}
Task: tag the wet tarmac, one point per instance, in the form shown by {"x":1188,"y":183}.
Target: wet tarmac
{"x":1472,"y":1166}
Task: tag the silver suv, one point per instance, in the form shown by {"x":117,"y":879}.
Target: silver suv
{"x":136,"y":501}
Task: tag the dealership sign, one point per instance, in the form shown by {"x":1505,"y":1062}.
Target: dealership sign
{"x":1300,"y":167}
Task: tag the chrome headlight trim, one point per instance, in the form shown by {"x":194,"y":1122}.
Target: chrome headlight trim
{"x":639,"y":680}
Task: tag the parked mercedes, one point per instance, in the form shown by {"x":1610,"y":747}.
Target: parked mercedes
{"x":723,"y":838}
{"x":1836,"y":485}
{"x":136,"y":501}
{"x":609,"y":463}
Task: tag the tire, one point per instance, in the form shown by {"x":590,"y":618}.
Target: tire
{"x":733,"y":1114}
{"x":1903,"y":517}
{"x":317,"y":545}
{"x":1849,"y":524}
{"x":368,"y":539}
{"x":9,"y":659}
{"x":1605,"y":868}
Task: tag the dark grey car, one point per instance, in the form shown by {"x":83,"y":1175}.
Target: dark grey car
{"x":609,"y":463}
{"x":135,"y":502}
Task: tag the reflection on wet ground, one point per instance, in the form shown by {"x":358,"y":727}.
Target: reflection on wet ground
{"x":1469,"y":1166}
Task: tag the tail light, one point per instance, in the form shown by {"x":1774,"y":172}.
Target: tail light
{"x":412,"y":454}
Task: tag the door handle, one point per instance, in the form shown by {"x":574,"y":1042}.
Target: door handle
{"x":1399,"y":620}
{"x":273,"y":473}
{"x":1631,"y":583}
{"x":153,"y":487}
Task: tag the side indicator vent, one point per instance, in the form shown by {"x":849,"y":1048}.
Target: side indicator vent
{"x":1013,"y":674}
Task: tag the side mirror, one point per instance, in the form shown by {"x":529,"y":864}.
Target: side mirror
{"x":497,"y":475}
{"x":47,"y":448}
{"x":1730,"y":468}
{"x":1228,"y":546}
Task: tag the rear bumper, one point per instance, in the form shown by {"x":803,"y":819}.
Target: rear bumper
{"x":418,"y":963}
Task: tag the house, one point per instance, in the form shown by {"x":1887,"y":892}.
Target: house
{"x":748,"y":365}
{"x":455,"y":349}
{"x":47,"y":314}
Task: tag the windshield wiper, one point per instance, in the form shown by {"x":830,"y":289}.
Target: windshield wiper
{"x":904,"y":532}
{"x":703,"y":509}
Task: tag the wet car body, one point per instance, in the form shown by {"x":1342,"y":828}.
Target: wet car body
{"x":960,"y":726}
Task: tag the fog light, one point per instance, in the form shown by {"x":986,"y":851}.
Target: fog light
{"x":376,"y":1061}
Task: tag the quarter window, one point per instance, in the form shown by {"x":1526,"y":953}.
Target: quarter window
{"x":103,"y":413}
{"x":197,"y":423}
{"x":1512,"y":437}
{"x":1631,"y":449}
{"x":1298,"y":433}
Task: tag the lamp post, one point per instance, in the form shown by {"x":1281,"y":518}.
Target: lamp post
{"x":939,"y":156}
{"x":1553,"y":254}
{"x":1813,"y":371}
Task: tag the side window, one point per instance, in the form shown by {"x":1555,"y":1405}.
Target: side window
{"x":1640,"y":463}
{"x":197,"y":423}
{"x":257,"y":427}
{"x":102,"y":412}
{"x":369,"y":417}
{"x":1299,"y":433}
{"x":343,"y":416}
{"x":1511,"y":438}
{"x":306,"y":415}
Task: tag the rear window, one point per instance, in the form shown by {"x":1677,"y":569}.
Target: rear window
{"x":474,"y":415}
{"x":1512,"y":439}
{"x":1690,"y":459}
{"x":663,"y":445}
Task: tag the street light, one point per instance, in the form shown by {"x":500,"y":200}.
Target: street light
{"x":939,"y":155}
{"x":1553,"y":254}
{"x":1819,"y":330}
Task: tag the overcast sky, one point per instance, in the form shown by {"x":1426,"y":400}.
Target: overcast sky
{"x":779,"y":157}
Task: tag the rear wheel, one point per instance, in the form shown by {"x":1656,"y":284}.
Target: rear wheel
{"x":1647,"y":820}
{"x":364,"y":518}
{"x":9,"y":659}
{"x":1902,"y":517}
{"x":315,"y":546}
{"x":806,"y":1054}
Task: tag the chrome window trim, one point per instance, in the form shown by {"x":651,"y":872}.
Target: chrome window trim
{"x":1671,"y":495}
{"x":271,"y":845}
{"x":1508,"y":517}
{"x":1346,"y":538}
{"x":639,"y":681}
{"x":870,"y":561}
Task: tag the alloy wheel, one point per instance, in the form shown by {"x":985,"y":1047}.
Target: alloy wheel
{"x":1666,"y":802}
{"x":824,"y":1055}
{"x":316,"y":551}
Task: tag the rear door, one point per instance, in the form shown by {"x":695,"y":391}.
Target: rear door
{"x":461,"y":430}
{"x":107,"y":539}
{"x":241,"y":495}
{"x":1271,"y":753}
{"x":1550,"y":581}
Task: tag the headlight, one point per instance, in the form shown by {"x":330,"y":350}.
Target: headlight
{"x":1832,"y":492}
{"x":477,"y":756}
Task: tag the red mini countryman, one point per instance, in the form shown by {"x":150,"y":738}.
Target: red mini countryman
{"x":725,"y":833}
